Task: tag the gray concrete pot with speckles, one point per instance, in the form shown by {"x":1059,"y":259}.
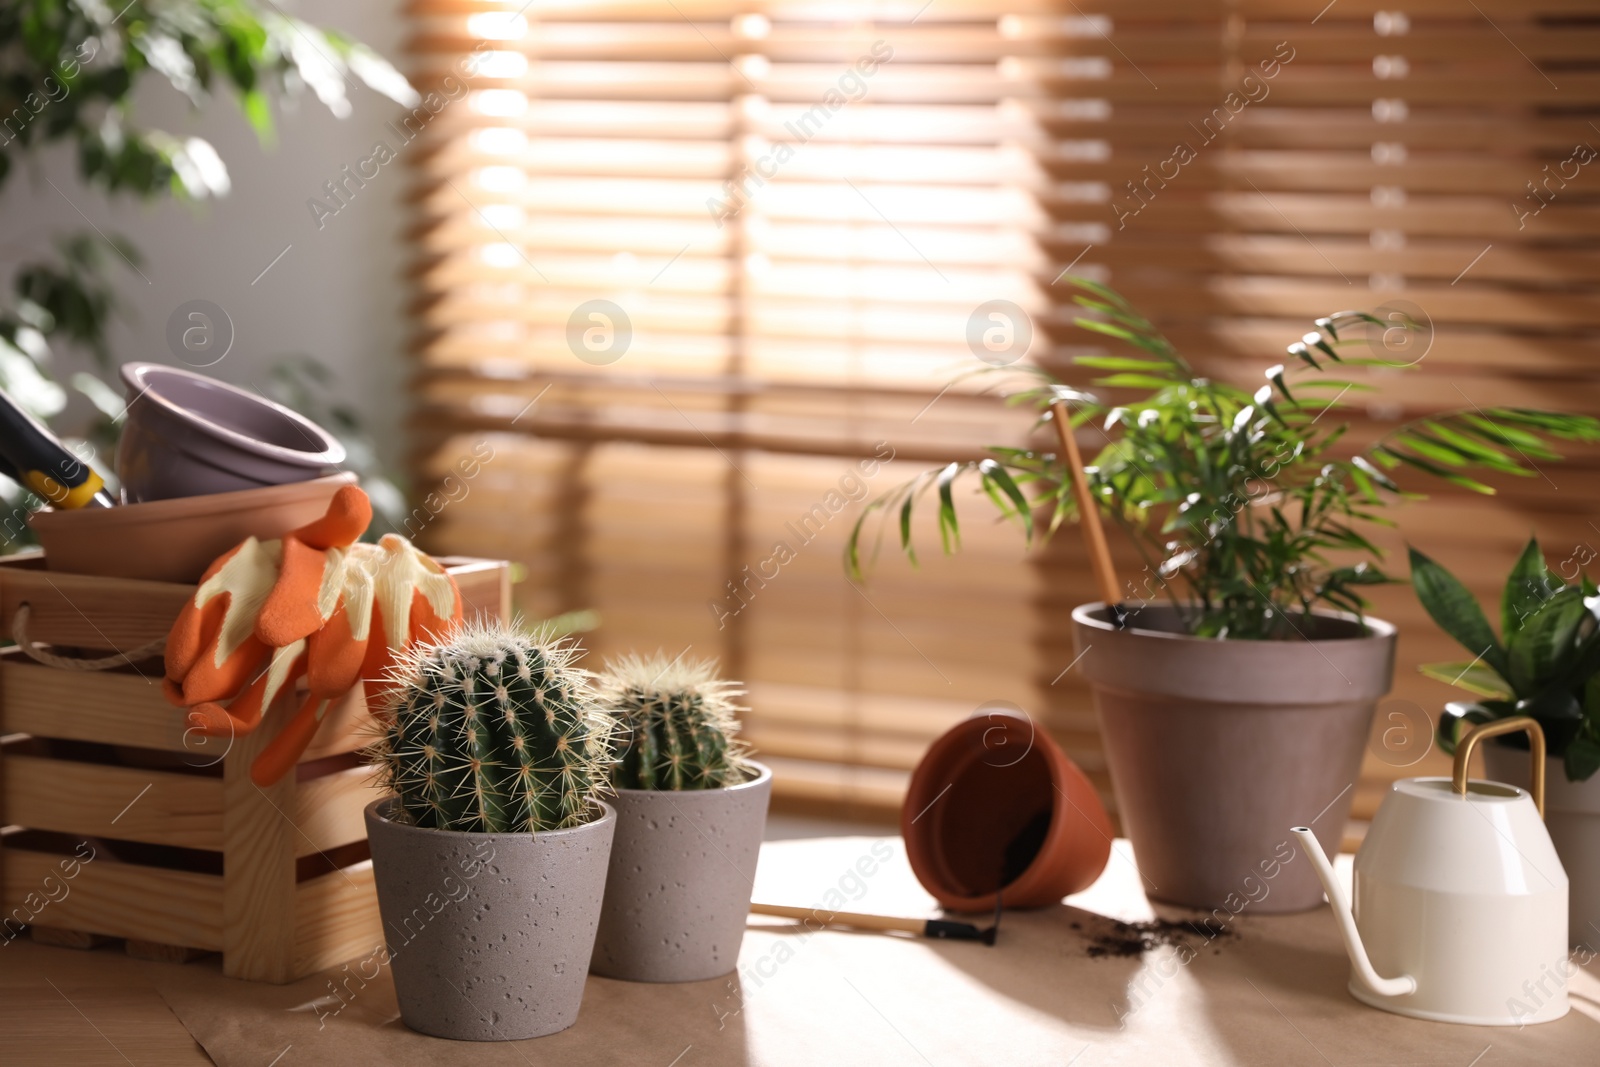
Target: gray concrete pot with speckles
{"x":489,"y":935}
{"x":678,"y":893}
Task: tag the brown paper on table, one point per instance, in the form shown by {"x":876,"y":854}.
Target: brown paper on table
{"x":1270,"y":991}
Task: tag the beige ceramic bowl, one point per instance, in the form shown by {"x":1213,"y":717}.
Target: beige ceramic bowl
{"x":176,"y":540}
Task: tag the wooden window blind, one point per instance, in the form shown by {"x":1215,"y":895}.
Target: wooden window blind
{"x":796,"y":209}
{"x":789,"y":216}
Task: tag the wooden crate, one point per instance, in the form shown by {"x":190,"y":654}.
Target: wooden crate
{"x":188,"y":854}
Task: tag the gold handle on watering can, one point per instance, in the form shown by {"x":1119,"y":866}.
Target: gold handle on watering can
{"x":1515,"y":724}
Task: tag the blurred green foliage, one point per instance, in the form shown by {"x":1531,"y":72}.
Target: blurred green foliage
{"x":1544,"y":663}
{"x":68,"y":71}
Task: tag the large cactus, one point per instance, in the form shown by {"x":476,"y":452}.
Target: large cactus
{"x":495,"y":731}
{"x":676,"y":724}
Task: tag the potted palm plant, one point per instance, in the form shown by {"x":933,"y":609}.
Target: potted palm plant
{"x":1236,"y":677}
{"x":1545,"y":663}
{"x":495,"y":746}
{"x":691,"y":809}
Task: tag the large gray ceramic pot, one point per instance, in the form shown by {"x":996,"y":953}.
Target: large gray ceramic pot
{"x":1218,"y":747}
{"x":678,"y":893}
{"x":1572,"y":814}
{"x":489,"y":934}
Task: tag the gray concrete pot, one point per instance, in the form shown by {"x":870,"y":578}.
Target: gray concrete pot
{"x":1218,"y":747}
{"x":679,"y":889}
{"x":1572,"y":814}
{"x":489,"y":935}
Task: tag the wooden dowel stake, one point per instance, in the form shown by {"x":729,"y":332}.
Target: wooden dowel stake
{"x":1094,"y":535}
{"x":842,"y":918}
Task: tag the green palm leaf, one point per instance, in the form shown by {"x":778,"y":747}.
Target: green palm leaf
{"x":1243,"y":500}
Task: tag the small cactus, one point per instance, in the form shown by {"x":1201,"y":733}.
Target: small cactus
{"x":675,"y":723}
{"x":494,"y":731}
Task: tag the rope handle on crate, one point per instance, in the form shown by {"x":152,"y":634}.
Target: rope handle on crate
{"x":38,"y":653}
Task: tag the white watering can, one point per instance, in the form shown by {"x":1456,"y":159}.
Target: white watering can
{"x":1460,"y":911}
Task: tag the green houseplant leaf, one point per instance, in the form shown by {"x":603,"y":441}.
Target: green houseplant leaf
{"x":1546,"y":646}
{"x":1453,"y":607}
{"x":1244,"y":504}
{"x":1552,"y":657}
{"x":1474,"y":677}
{"x":1457,"y":716}
{"x":1530,"y":584}
{"x":1582,"y":759}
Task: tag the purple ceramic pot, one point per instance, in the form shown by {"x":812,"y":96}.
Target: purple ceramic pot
{"x":190,"y":435}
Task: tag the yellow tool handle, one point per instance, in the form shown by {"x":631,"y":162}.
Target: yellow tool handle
{"x":31,"y":454}
{"x":63,"y":496}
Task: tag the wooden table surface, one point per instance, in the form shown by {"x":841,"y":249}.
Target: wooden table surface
{"x":1269,"y":991}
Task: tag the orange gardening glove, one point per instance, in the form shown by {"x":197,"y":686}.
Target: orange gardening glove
{"x":316,"y":605}
{"x":415,"y":599}
{"x":245,"y":630}
{"x":390,"y":595}
{"x":212,"y":649}
{"x":334,"y":653}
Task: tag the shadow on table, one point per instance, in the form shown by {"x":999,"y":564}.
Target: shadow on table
{"x":1052,"y":960}
{"x":1269,"y":990}
{"x":331,"y":1021}
{"x":1280,"y":995}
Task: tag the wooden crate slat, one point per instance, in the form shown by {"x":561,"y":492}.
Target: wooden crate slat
{"x":60,"y":938}
{"x":84,"y":611}
{"x":93,"y":800}
{"x":125,"y":709}
{"x":258,"y":851}
{"x":121,"y":614}
{"x":336,"y":918}
{"x":160,"y":952}
{"x":485,"y":585}
{"x":328,"y":809}
{"x":108,"y":706}
{"x":118,"y":899}
{"x":345,"y":728}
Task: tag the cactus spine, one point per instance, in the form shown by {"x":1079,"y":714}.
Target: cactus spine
{"x":494,"y":731}
{"x":676,"y":724}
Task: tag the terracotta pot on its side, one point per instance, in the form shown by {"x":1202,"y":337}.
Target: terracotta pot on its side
{"x":994,"y":795}
{"x":1218,"y":747}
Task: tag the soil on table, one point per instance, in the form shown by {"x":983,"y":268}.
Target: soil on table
{"x":1117,"y":939}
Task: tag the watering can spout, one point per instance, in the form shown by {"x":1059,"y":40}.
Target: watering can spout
{"x":1402,"y":986}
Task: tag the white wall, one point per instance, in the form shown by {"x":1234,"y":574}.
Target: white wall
{"x":338,"y":294}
